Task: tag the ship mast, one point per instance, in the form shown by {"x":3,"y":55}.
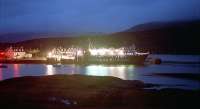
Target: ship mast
{"x":90,"y":46}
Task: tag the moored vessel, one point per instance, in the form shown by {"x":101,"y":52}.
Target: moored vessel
{"x":123,"y":55}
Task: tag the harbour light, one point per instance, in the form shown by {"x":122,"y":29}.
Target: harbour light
{"x":49,"y":54}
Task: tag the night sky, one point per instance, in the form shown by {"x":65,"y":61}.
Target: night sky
{"x":90,"y":15}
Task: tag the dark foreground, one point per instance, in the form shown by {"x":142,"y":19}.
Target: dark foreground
{"x":89,"y":92}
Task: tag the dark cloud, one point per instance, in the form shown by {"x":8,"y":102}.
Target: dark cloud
{"x":90,"y":15}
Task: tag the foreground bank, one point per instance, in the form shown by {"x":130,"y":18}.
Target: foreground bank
{"x":81,"y":92}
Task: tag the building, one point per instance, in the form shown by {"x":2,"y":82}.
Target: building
{"x":15,"y":53}
{"x":65,"y":53}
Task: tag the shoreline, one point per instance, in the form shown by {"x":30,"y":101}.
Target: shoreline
{"x":91,"y":92}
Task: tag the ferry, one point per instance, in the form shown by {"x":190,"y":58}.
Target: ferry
{"x":123,"y":55}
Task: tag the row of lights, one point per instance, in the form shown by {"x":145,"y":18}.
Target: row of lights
{"x":73,"y":52}
{"x":106,"y":52}
{"x":69,"y":54}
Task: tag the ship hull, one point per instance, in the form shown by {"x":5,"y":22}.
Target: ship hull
{"x":137,"y":59}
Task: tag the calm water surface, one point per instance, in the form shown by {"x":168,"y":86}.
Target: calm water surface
{"x":126,"y":72}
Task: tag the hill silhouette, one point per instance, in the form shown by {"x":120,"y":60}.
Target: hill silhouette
{"x":156,"y":37}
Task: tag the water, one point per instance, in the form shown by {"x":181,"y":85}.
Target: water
{"x":126,"y":72}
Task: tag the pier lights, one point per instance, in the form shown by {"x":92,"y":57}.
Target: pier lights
{"x":107,"y":52}
{"x":65,"y":54}
{"x":50,"y":55}
{"x":79,"y":53}
{"x":121,"y":52}
{"x":98,"y":52}
{"x":102,"y":52}
{"x":111,"y":53}
{"x":93,"y":52}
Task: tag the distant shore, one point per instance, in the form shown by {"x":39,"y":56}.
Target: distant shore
{"x":90,"y":92}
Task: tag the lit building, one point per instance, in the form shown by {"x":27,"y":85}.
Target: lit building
{"x":19,"y":53}
{"x":65,"y":53}
{"x":16,"y":53}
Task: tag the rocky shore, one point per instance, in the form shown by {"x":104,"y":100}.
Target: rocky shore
{"x":91,"y":92}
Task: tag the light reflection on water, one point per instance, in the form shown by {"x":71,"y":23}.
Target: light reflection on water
{"x":116,"y":71}
{"x":1,"y":75}
{"x":126,"y":72}
{"x":50,"y":70}
{"x":16,"y":70}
